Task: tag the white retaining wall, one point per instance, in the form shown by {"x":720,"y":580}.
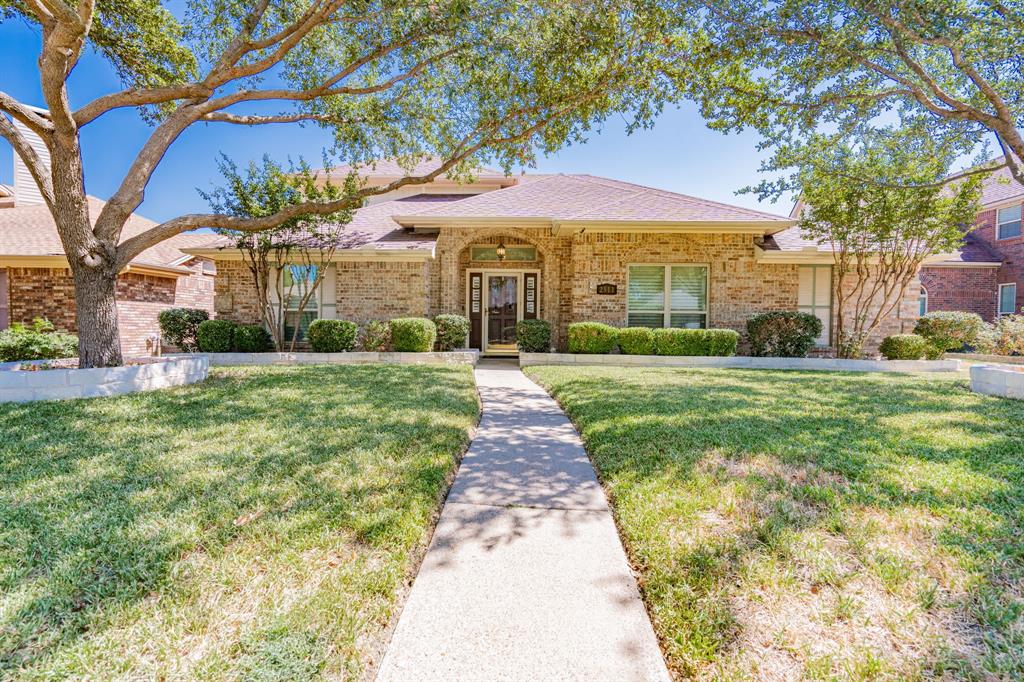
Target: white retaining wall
{"x":1004,"y":382}
{"x":458,"y":357}
{"x":741,"y":362}
{"x":981,"y":357}
{"x":58,"y":384}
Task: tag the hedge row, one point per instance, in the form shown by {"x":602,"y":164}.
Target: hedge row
{"x":597,"y":338}
{"x":404,"y":335}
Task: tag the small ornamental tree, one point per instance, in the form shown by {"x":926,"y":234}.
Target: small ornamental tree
{"x":287,"y":262}
{"x":880,"y":231}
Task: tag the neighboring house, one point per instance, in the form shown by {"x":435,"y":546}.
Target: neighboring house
{"x":564,"y":248}
{"x":987,"y":275}
{"x":35,"y":280}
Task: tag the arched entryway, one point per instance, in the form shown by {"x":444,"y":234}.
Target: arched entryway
{"x":497,"y":277}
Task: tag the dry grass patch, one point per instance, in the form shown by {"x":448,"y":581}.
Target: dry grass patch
{"x":814,"y":526}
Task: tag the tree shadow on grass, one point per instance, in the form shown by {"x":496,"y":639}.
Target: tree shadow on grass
{"x":805,"y":447}
{"x":101,"y":499}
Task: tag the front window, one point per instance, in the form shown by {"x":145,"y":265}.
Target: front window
{"x":814,"y":296}
{"x":1008,"y":222}
{"x":296,"y":282}
{"x":1007,"y":299}
{"x":922,"y":302}
{"x":668,"y":296}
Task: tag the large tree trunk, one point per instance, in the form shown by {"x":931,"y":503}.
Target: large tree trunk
{"x":98,"y":342}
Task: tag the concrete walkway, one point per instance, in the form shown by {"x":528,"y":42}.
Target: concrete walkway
{"x":525,"y":578}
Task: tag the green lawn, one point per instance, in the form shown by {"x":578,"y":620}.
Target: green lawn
{"x":258,"y":526}
{"x":798,"y":525}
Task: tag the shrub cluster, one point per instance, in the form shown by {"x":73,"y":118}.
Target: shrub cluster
{"x":38,"y":341}
{"x":216,"y":336}
{"x":452,"y":331}
{"x":376,"y":336}
{"x":413,"y":335}
{"x":332,"y":336}
{"x":948,"y":330}
{"x":1005,"y":337}
{"x":178,"y":327}
{"x":251,"y":338}
{"x":782,"y":334}
{"x":720,"y":342}
{"x":904,"y":347}
{"x":592,"y":338}
{"x":636,"y":341}
{"x":533,"y":336}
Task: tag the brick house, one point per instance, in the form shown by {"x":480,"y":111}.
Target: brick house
{"x":987,"y":276}
{"x":35,"y":280}
{"x":563,"y":248}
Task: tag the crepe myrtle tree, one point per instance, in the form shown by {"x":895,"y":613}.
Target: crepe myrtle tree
{"x":795,"y":68}
{"x":880,"y":230}
{"x":286,"y":262}
{"x":460,"y":80}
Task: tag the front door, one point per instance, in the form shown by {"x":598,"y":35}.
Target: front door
{"x":502,"y":311}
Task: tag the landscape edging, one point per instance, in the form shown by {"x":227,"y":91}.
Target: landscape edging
{"x":740,"y":362}
{"x":23,"y":386}
{"x":458,"y":357}
{"x":999,"y":381}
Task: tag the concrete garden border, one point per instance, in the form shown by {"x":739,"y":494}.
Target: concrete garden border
{"x":1002,"y":381}
{"x":741,"y":362}
{"x":57,"y":384}
{"x":458,"y":357}
{"x":982,"y":357}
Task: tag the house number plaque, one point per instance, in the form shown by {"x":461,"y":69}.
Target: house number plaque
{"x":607,"y":289}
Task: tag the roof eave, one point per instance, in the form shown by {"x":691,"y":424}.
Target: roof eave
{"x":360,"y":254}
{"x":59,"y":261}
{"x":755,"y":227}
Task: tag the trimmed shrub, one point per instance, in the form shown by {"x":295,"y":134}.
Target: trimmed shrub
{"x":904,"y":347}
{"x":376,"y":336}
{"x":413,"y":335}
{"x":216,"y":336}
{"x":1005,"y":337}
{"x":533,"y":336}
{"x":719,"y":342}
{"x":332,"y":336}
{"x":178,"y":327}
{"x":251,"y":338}
{"x":636,"y":341}
{"x":949,"y":329}
{"x":40,"y":341}
{"x":782,"y":334}
{"x":592,"y":338}
{"x":452,"y":331}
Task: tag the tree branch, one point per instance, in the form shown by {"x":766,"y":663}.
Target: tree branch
{"x":40,"y":173}
{"x":35,"y":122}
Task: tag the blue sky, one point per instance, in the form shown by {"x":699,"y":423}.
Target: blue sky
{"x":678,"y":154}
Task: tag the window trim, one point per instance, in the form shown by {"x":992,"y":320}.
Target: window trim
{"x":999,"y":299}
{"x":999,"y":225}
{"x":667,"y":311}
{"x":814,"y":305}
{"x":535,"y":259}
{"x":285,"y":309}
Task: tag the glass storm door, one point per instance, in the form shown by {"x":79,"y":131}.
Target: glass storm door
{"x":502,"y":310}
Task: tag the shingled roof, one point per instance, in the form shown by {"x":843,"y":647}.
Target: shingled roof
{"x":29,"y":230}
{"x":587,"y":198}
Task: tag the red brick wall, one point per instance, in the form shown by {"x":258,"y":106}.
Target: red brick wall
{"x":50,"y":293}
{"x":1010,"y":250}
{"x":970,"y":289}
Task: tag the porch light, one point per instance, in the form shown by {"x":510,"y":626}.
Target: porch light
{"x":500,"y":251}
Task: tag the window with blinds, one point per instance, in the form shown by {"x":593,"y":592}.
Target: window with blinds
{"x":667,"y":296}
{"x":814,"y":296}
{"x":297,"y":281}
